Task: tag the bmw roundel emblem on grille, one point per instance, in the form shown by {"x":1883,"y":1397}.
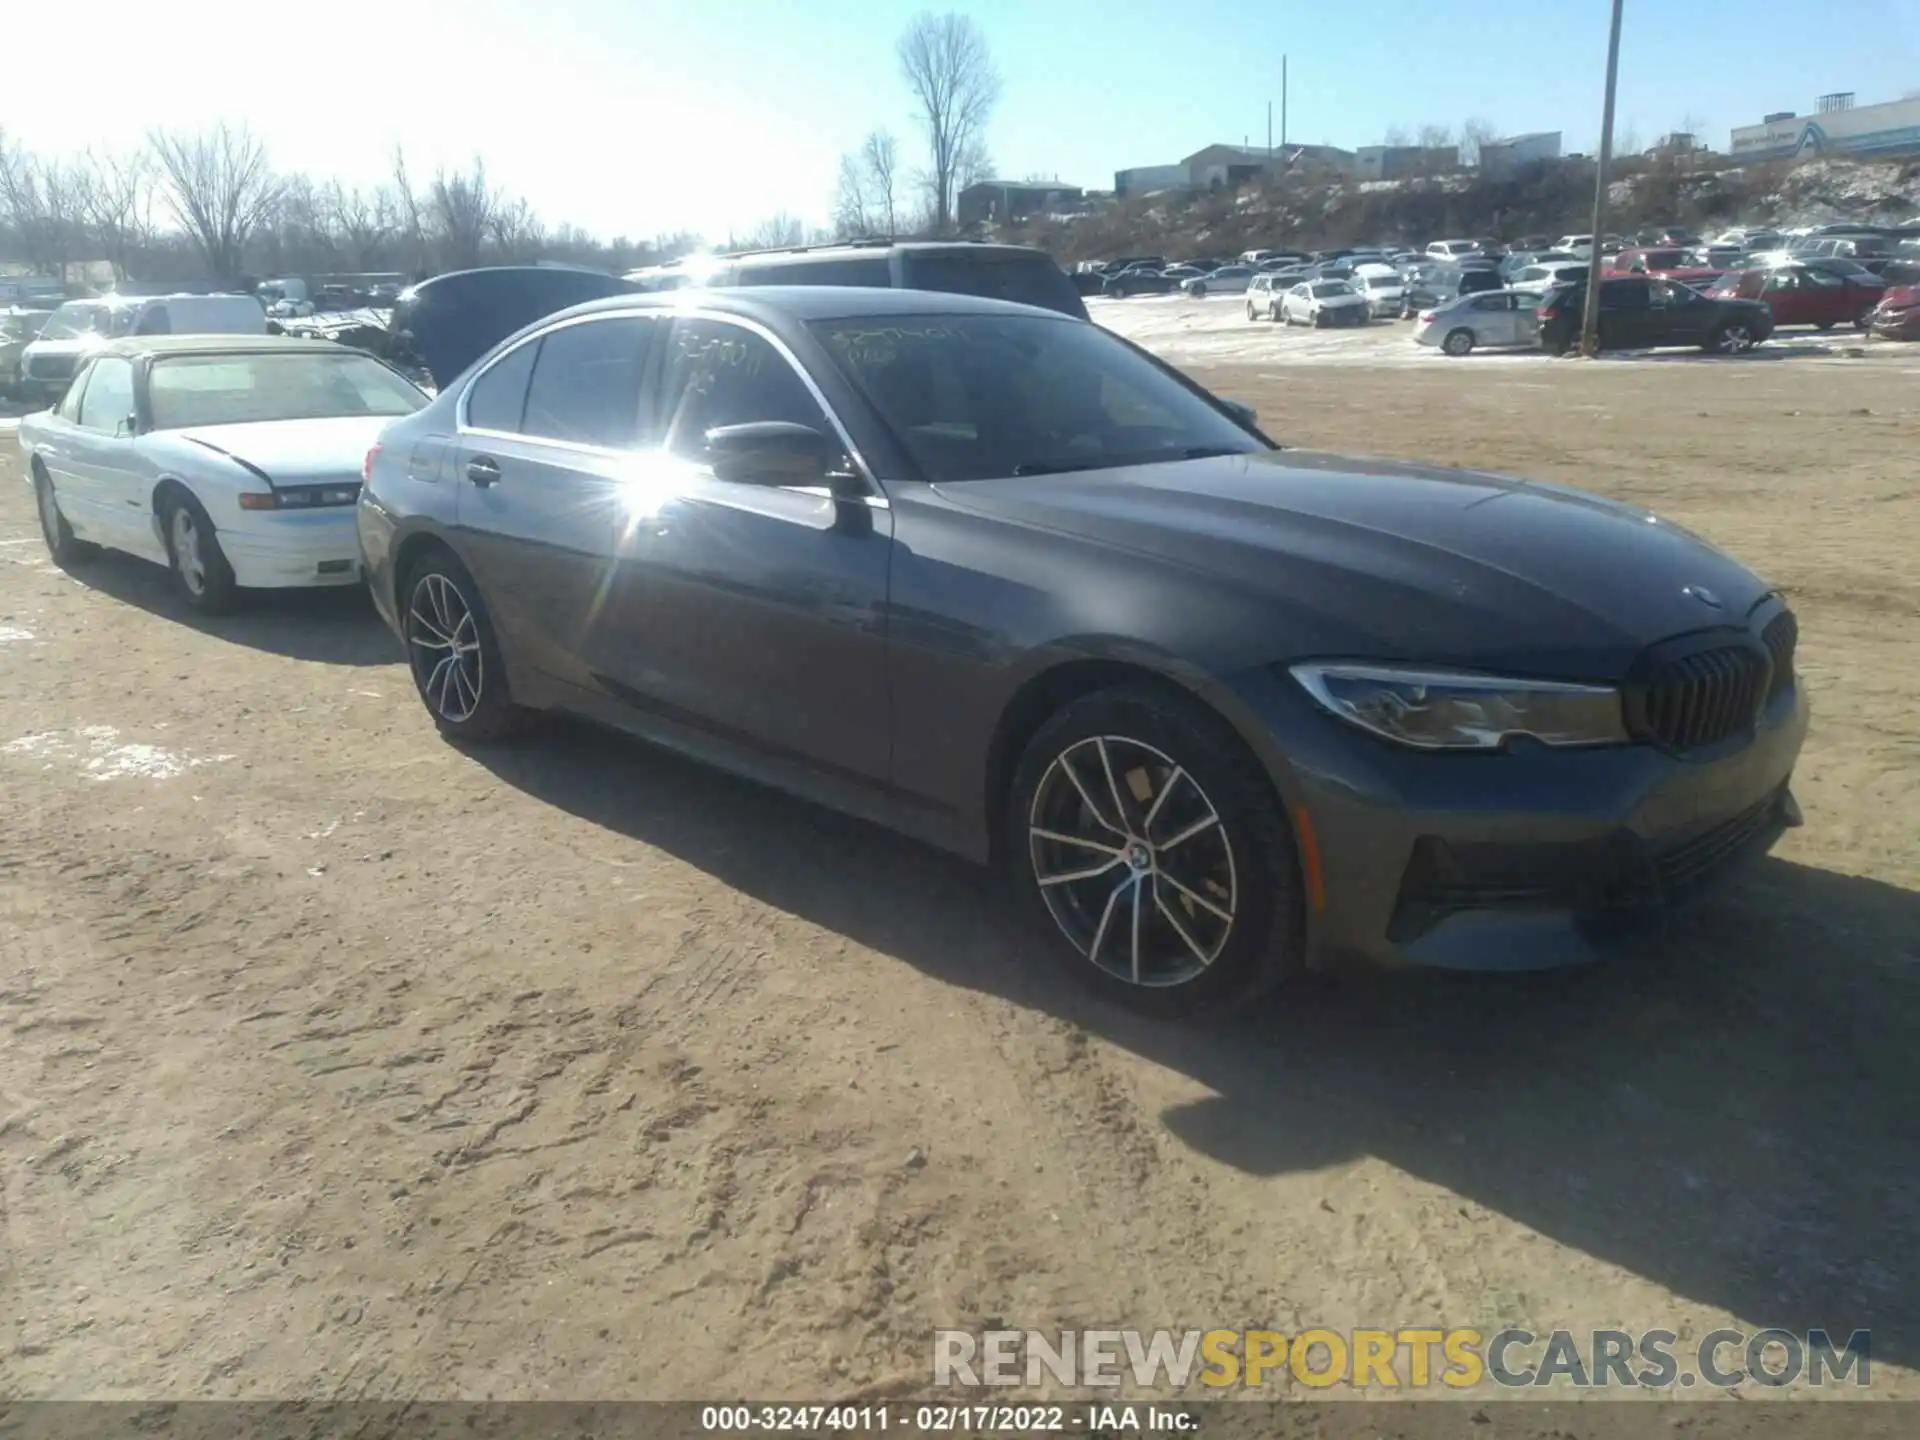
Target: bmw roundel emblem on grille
{"x":1702,"y":594}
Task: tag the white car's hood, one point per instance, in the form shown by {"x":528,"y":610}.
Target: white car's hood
{"x":289,"y":452}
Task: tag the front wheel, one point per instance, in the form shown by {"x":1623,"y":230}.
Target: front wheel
{"x":454,"y":653}
{"x":1150,"y":846}
{"x":1250,"y":311}
{"x":201,"y":573}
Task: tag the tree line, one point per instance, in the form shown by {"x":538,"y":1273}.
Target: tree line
{"x":210,"y":205}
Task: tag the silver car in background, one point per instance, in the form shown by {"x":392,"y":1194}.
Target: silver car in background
{"x":1490,"y":318}
{"x":1227,"y":280}
{"x":1383,"y":286}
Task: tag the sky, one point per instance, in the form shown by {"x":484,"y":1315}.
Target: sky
{"x":644,"y":117}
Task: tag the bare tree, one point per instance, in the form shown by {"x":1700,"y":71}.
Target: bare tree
{"x":358,"y":223}
{"x":116,"y":196}
{"x":1436,"y":137}
{"x":1396,"y":136}
{"x":852,"y":208}
{"x":463,"y":208}
{"x":42,"y":201}
{"x":779,"y":231}
{"x":945,"y":63}
{"x":1472,"y":133}
{"x":881,"y":156}
{"x":1626,"y":140}
{"x":407,"y":216}
{"x":220,"y":189}
{"x":517,"y":232}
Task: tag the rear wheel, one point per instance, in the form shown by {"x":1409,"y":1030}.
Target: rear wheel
{"x":1250,"y":311}
{"x":454,"y":653}
{"x":1150,"y":846}
{"x":63,"y":546}
{"x":1458,"y":342}
{"x":1823,"y":324}
{"x":201,"y":573}
{"x":1735,"y":337}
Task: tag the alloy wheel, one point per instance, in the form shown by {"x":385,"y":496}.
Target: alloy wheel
{"x":187,"y":558}
{"x":1736,"y":338}
{"x":1132,"y":861}
{"x":443,"y":642}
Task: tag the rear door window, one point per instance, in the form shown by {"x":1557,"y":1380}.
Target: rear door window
{"x":498,"y":398}
{"x":586,"y":383}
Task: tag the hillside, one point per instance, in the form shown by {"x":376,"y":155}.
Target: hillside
{"x":1553,"y":200}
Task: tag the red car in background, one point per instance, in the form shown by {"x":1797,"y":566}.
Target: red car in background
{"x":1897,"y":316}
{"x":1676,"y":262}
{"x":1806,"y":294}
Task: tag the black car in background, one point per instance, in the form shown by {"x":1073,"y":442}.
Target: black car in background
{"x":1638,"y":313}
{"x":443,"y":325}
{"x":1018,"y":273}
{"x":1140,"y":281}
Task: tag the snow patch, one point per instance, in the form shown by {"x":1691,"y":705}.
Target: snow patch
{"x":97,"y":752}
{"x":14,"y":635}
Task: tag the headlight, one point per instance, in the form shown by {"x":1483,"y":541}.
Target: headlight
{"x":1460,"y":710}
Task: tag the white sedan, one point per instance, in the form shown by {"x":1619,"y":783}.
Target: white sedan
{"x":233,"y":460}
{"x":1324,"y":303}
{"x":1227,"y":280}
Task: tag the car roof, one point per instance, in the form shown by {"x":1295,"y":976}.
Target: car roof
{"x":876,"y":247}
{"x":160,"y":346}
{"x":812,"y":302}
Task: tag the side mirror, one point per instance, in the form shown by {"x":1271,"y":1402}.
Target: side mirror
{"x":128,"y":426}
{"x":770,"y":452}
{"x":1242,"y":412}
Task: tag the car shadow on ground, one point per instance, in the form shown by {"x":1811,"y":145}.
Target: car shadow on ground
{"x":333,"y":625}
{"x":1728,"y":1112}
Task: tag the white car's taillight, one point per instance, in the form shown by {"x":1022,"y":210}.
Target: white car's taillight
{"x":366,"y":466}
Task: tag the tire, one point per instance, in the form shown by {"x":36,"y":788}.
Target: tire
{"x":1319,"y":321}
{"x":1458,"y":342}
{"x":1823,"y":324}
{"x":201,"y":575}
{"x":1734,"y":337}
{"x":1250,"y":311}
{"x":1273,"y":314}
{"x":453,"y":652}
{"x":64,"y":548}
{"x":1213,"y":879}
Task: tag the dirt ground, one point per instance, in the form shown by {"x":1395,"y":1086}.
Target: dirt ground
{"x":338,"y":1062}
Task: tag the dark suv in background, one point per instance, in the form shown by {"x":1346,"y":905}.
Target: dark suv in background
{"x":996,"y":272}
{"x":1638,"y":313}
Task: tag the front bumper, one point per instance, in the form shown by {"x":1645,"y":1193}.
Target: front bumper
{"x":1531,"y":859}
{"x":291,"y":550}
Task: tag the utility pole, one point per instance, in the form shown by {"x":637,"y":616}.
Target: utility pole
{"x":1590,"y":319}
{"x":1269,"y":129}
{"x":1283,"y":102}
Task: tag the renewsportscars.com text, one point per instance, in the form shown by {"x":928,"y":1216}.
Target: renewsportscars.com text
{"x":1405,"y":1359}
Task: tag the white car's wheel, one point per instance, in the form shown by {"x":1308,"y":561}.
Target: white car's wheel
{"x":200,"y":570}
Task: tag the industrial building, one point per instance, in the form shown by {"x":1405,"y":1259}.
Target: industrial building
{"x":1503,"y":159}
{"x":997,"y":201}
{"x":1837,"y":126}
{"x":1396,"y":162}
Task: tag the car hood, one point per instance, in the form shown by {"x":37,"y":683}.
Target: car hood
{"x":286,"y":452}
{"x":71,"y":345}
{"x":1396,"y":560}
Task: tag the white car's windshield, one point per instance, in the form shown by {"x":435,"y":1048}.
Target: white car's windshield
{"x":975,"y":397}
{"x":1329,"y":289}
{"x":186,"y":390}
{"x":70,"y":322}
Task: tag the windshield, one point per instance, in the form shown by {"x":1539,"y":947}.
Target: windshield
{"x":1328,"y":289}
{"x":1383,"y":282}
{"x":975,"y":397}
{"x":189,"y":390}
{"x":70,"y":322}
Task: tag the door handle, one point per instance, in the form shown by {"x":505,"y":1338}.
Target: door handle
{"x":483,"y":471}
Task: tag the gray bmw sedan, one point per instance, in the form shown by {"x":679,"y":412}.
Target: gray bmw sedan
{"x":1000,"y":580}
